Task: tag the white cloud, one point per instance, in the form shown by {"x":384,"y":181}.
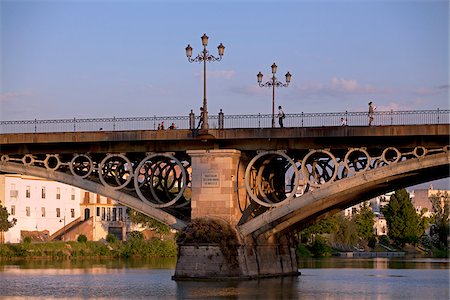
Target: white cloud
{"x":338,"y":87}
{"x":224,"y":74}
{"x":15,"y":95}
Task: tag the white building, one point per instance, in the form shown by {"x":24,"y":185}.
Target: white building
{"x":37,"y":204}
{"x":47,"y":209}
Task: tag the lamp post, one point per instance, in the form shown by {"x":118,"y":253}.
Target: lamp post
{"x":64,"y":228}
{"x":273,"y":83}
{"x":204,"y":56}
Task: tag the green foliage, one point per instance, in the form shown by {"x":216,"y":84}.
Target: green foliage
{"x":5,"y":225}
{"x":302,"y":251}
{"x":346,"y":234}
{"x":70,"y":250}
{"x":82,"y":238}
{"x":27,"y":240}
{"x":384,"y":240}
{"x":372,"y":242}
{"x":441,"y":208}
{"x":319,"y":248}
{"x":111,"y":238}
{"x":402,"y":219}
{"x":147,"y":222}
{"x":136,"y":235}
{"x":137,"y":247}
{"x":364,"y":221}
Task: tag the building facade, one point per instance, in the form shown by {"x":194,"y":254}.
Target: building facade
{"x":47,"y":210}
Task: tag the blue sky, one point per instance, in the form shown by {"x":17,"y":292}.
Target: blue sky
{"x":87,"y":59}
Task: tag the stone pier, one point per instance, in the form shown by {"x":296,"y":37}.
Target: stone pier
{"x":211,"y":247}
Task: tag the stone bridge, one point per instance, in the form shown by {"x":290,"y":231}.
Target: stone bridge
{"x":261,"y":184}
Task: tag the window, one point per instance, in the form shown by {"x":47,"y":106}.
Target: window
{"x":98,"y":211}
{"x":43,"y":192}
{"x":72,"y":212}
{"x":58,"y":212}
{"x":108,"y":215}
{"x":58,"y":193}
{"x":120,"y":214}
{"x":13,"y":210}
{"x":43,"y":211}
{"x":13,"y":192}
{"x":72,"y":195}
{"x":103,"y":213}
{"x":27,"y":210}
{"x":28,"y":192}
{"x":114,"y":214}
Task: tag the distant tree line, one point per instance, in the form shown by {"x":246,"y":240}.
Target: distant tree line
{"x":405,"y":226}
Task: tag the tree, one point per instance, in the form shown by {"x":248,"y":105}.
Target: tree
{"x":5,"y":225}
{"x":402,"y":220}
{"x":364,"y":222}
{"x":346,"y":235}
{"x":147,"y":222}
{"x":441,"y":207}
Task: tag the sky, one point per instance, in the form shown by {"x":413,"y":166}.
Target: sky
{"x":88,"y":59}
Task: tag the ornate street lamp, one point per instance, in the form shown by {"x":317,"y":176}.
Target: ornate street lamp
{"x":273,"y":82}
{"x":204,"y":56}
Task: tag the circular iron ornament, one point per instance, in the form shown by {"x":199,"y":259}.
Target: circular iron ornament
{"x":138,"y":185}
{"x":391,"y":151}
{"x":28,"y":159}
{"x":248,"y":172}
{"x":118,"y":171}
{"x":81,"y":166}
{"x":4,"y":158}
{"x":420,"y":151}
{"x":52,"y":162}
{"x":328,"y":178}
{"x":353,"y":151}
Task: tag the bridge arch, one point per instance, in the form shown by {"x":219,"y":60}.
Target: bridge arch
{"x":107,"y":191}
{"x":347,"y":192}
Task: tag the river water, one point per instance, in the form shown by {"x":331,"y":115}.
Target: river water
{"x":331,"y":278}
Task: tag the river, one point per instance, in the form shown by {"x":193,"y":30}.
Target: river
{"x":330,"y":278}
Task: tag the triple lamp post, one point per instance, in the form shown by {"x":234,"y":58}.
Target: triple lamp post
{"x":204,"y":56}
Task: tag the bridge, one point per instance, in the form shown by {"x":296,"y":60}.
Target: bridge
{"x":253,"y":185}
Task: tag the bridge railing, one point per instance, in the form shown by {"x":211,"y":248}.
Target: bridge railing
{"x":383,"y":118}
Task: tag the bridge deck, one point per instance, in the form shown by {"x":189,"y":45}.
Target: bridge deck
{"x":248,"y":139}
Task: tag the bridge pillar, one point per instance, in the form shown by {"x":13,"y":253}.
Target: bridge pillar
{"x":211,"y":246}
{"x":214,"y":175}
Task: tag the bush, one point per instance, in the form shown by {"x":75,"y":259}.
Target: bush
{"x":111,"y":238}
{"x":136,"y":235}
{"x":302,"y":251}
{"x":372,"y":242}
{"x":82,"y":238}
{"x":27,"y":240}
{"x":384,"y":240}
{"x":320,"y":248}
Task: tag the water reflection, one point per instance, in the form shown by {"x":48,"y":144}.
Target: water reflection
{"x":374,"y":263}
{"x":330,"y":278}
{"x":267,"y":288}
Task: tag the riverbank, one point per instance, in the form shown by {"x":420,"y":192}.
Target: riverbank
{"x":89,"y":249}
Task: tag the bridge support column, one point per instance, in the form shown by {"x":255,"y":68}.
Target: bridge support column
{"x":214,"y":175}
{"x":211,"y":247}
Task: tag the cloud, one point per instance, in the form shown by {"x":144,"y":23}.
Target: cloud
{"x":427,"y":91}
{"x":339,"y":87}
{"x":224,"y":74}
{"x":15,"y":95}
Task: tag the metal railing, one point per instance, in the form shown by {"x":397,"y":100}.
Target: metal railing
{"x":416,"y":117}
